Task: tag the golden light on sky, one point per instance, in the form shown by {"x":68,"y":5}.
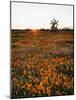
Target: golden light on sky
{"x":37,"y":16}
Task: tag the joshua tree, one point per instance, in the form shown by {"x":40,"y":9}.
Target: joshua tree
{"x":54,"y":24}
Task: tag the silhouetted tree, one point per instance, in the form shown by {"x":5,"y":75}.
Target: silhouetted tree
{"x":54,"y":24}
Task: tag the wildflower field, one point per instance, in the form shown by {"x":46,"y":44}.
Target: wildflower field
{"x":41,"y":63}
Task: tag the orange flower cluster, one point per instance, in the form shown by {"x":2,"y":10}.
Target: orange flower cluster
{"x":40,"y":67}
{"x":41,"y":81}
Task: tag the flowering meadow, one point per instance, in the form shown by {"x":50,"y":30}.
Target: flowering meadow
{"x":42,"y":63}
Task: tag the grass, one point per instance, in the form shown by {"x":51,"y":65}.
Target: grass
{"x":42,"y":63}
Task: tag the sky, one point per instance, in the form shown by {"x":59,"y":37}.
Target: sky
{"x":38,"y":16}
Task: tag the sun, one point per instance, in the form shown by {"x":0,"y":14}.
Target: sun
{"x":34,"y":31}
